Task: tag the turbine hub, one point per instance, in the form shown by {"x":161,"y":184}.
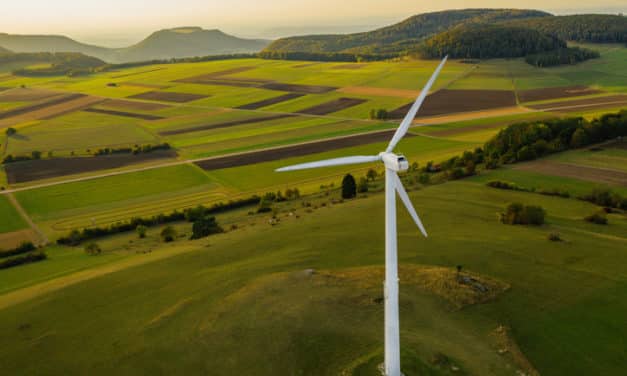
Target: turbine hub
{"x":394,"y":162}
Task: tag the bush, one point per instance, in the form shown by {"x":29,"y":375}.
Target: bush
{"x":22,"y":259}
{"x":141,"y":231}
{"x":25,"y":247}
{"x":93,"y":249}
{"x":204,"y":227}
{"x":554,"y":237}
{"x":519,"y":214}
{"x":10,"y":131}
{"x":349,"y":187}
{"x":168,"y":234}
{"x":597,"y":218}
{"x":363,"y":185}
{"x":424,"y":178}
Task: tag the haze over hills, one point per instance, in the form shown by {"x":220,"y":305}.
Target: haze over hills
{"x":163,"y":44}
{"x":4,"y":51}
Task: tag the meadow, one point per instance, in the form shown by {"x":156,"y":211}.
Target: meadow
{"x":304,"y":296}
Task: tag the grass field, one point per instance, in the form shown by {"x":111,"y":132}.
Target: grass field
{"x":180,"y":306}
{"x":10,"y":220}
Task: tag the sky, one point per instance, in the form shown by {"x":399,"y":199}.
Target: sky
{"x":126,"y":21}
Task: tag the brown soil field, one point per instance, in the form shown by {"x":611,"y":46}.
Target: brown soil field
{"x":136,"y":73}
{"x":38,"y":106}
{"x":349,"y":66}
{"x":65,"y":106}
{"x":451,"y":101}
{"x":218,"y":82}
{"x":295,"y":150}
{"x":143,"y":85}
{"x":227,"y":72}
{"x":13,"y":239}
{"x":598,"y":175}
{"x":333,"y":106}
{"x":21,"y":172}
{"x":270,"y":101}
{"x":225,"y":124}
{"x":133,"y":105}
{"x":465,"y":116}
{"x":380,"y":92}
{"x":123,"y":114}
{"x":582,"y":104}
{"x":27,"y":95}
{"x":305,"y":65}
{"x":296,"y":88}
{"x":165,"y":96}
{"x":555,"y":93}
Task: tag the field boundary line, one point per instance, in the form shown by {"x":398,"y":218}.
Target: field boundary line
{"x":28,"y":219}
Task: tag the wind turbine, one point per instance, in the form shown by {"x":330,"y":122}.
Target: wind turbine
{"x":393,"y":163}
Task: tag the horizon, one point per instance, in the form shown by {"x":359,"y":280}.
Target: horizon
{"x":270,"y":23}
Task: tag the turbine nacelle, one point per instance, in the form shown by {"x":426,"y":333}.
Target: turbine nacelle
{"x":394,"y":162}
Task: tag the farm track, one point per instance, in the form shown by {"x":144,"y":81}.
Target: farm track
{"x":43,"y":239}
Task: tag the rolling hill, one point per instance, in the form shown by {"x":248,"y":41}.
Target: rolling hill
{"x":4,"y":51}
{"x":401,"y":36}
{"x":163,"y":44}
{"x":596,"y":28}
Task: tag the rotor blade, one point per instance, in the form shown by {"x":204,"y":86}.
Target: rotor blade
{"x":332,"y":162}
{"x":410,"y":208}
{"x":409,"y":118}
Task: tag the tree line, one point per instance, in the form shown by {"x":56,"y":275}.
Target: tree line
{"x":561,"y":56}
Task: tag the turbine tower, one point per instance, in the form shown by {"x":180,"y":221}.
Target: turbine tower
{"x":393,"y":164}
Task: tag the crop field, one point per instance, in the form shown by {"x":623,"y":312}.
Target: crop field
{"x":279,"y":291}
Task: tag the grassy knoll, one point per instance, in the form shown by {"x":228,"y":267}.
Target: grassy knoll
{"x":245,"y":298}
{"x":51,"y":201}
{"x":77,"y":132}
{"x":10,"y":220}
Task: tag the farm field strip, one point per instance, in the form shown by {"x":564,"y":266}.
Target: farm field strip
{"x":168,"y":96}
{"x":270,"y":101}
{"x":124,"y":114}
{"x":40,"y":106}
{"x":579,"y":103}
{"x":225,"y":124}
{"x":595,"y":174}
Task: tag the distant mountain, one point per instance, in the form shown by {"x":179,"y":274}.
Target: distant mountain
{"x":163,"y":44}
{"x":188,"y":42}
{"x":401,"y":36}
{"x":48,"y":43}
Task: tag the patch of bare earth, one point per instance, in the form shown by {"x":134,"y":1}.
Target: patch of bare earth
{"x":507,"y":347}
{"x":555,"y":93}
{"x":598,"y":175}
{"x":270,"y":101}
{"x":332,"y":106}
{"x":49,"y":109}
{"x":166,"y":96}
{"x":13,"y":239}
{"x":447,"y":101}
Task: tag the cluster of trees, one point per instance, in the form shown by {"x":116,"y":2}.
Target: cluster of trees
{"x":137,"y":149}
{"x":606,"y":198}
{"x":266,"y":201}
{"x":458,"y":167}
{"x":22,"y":259}
{"x":483,"y":41}
{"x":519,"y":214}
{"x":34,"y":155}
{"x":596,"y":218}
{"x":76,"y":237}
{"x":530,"y":140}
{"x":205,"y":226}
{"x":561,"y":56}
{"x":25,"y":247}
{"x":379,"y":114}
{"x":597,"y":28}
{"x":514,"y":187}
{"x":323,"y":56}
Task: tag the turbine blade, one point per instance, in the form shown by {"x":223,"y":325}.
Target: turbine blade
{"x":409,"y":118}
{"x":410,"y":208}
{"x":332,"y":162}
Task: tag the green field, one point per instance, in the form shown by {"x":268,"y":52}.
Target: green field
{"x":10,"y":220}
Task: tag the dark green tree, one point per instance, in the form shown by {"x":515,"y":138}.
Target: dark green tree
{"x":204,"y":227}
{"x":349,"y":187}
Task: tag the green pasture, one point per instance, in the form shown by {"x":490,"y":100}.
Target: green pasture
{"x":487,"y":75}
{"x":245,"y":297}
{"x":77,"y":132}
{"x":51,"y":202}
{"x":609,"y":157}
{"x":10,"y":220}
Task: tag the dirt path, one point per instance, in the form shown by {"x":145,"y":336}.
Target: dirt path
{"x":42,"y":237}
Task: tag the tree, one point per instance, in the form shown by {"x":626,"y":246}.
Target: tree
{"x":579,"y":138}
{"x":168,"y":234}
{"x":349,"y":187}
{"x":141,"y":231}
{"x":36,"y":154}
{"x":371,"y":175}
{"x":11,"y":131}
{"x":93,"y":249}
{"x":204,"y":227}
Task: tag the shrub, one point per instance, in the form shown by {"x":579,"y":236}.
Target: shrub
{"x":93,"y":249}
{"x":597,"y":218}
{"x":362,"y":187}
{"x":424,"y":178}
{"x":141,"y":231}
{"x":554,"y":237}
{"x":204,"y":227}
{"x":349,"y":187}
{"x":22,"y":259}
{"x":519,"y":214}
{"x":10,"y":131}
{"x":168,"y":234}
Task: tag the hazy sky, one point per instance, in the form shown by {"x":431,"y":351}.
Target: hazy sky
{"x":132,"y":19}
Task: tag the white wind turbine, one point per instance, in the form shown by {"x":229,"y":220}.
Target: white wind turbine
{"x":393,"y":163}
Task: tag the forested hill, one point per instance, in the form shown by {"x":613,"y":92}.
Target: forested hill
{"x":400,"y":37}
{"x":482,"y":41}
{"x":600,"y":28}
